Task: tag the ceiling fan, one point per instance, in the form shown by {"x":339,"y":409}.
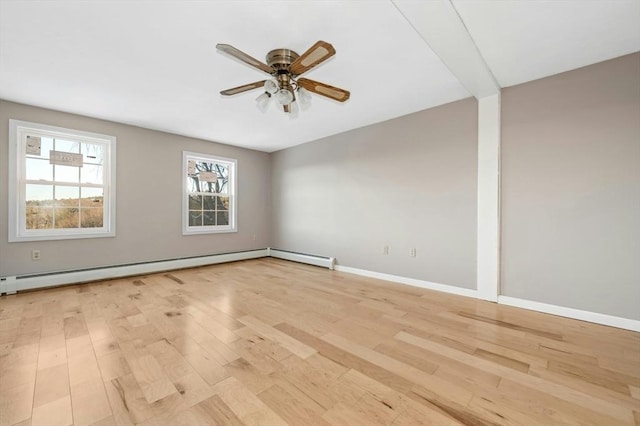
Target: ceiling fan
{"x":285,"y":65}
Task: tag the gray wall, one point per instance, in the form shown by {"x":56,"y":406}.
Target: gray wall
{"x":148,"y":212}
{"x":571,"y":189}
{"x":408,"y":182}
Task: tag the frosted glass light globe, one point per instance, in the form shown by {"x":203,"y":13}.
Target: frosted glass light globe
{"x":284,"y":97}
{"x":271,"y":86}
{"x":262,"y":101}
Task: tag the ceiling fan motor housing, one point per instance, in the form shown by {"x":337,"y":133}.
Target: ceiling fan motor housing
{"x":281,"y":59}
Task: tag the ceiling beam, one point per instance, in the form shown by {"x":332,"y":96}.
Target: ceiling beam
{"x":440,"y":26}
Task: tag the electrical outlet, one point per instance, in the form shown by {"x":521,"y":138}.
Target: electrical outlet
{"x":385,"y":250}
{"x":412,"y":252}
{"x":254,"y":237}
{"x":35,"y":254}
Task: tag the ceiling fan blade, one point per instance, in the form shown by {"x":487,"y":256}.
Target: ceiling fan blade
{"x":319,"y":52}
{"x":323,"y":89}
{"x":243,"y":88}
{"x":230,"y":50}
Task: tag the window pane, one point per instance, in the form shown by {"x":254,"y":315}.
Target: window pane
{"x":207,"y":186}
{"x":195,"y":202}
{"x":223,"y":218}
{"x":39,"y":218}
{"x":91,"y":197}
{"x":91,"y":218}
{"x":209,"y":202}
{"x":203,"y":166}
{"x":66,"y":146}
{"x":67,"y":218}
{"x":93,"y":153}
{"x":223,"y":186}
{"x":67,"y":173}
{"x":222,"y":169}
{"x":209,"y":218}
{"x":223,"y":203}
{"x":67,"y":196}
{"x":195,"y":218}
{"x":223,"y":178}
{"x":46,"y":145}
{"x":90,"y":173}
{"x":39,"y":195}
{"x":193,"y":184}
{"x":37,"y":169}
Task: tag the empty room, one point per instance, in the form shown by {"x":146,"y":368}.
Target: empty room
{"x":381,"y":212}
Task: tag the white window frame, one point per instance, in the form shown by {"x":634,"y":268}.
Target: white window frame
{"x":232,"y":186}
{"x":18,"y":131}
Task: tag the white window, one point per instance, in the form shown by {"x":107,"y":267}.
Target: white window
{"x":61,"y":183}
{"x":209,"y":199}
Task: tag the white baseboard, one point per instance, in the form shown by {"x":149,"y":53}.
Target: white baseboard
{"x":610,"y":320}
{"x":594,"y":317}
{"x":410,"y":281}
{"x":10,"y":285}
{"x":325,"y":262}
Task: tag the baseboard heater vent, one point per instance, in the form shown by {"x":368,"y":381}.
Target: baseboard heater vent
{"x":311,"y":259}
{"x":11,"y":285}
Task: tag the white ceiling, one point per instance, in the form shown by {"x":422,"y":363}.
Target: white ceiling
{"x":153,"y":63}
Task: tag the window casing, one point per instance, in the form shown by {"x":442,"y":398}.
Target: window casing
{"x":209,"y":194}
{"x":61,"y":183}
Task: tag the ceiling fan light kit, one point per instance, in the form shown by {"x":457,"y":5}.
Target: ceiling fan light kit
{"x":285,"y":66}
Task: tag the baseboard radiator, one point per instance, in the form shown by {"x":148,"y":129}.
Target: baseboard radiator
{"x":13,"y":284}
{"x":311,"y":259}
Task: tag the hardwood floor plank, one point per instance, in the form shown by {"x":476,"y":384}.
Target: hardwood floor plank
{"x":192,"y":388}
{"x":113,"y":365}
{"x":53,"y":351}
{"x":53,"y":413}
{"x":153,"y":381}
{"x":249,"y":376}
{"x":207,"y":367}
{"x":216,"y":409}
{"x":294,"y":407}
{"x":219,"y":350}
{"x":16,"y":403}
{"x":173,"y":364}
{"x":51,"y":384}
{"x":245,"y":404}
{"x":341,"y":414}
{"x":261,"y":353}
{"x":503,"y":360}
{"x":89,"y":401}
{"x":296,"y":347}
{"x":128,"y":404}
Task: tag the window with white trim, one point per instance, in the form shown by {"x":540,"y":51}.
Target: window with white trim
{"x":61,"y":183}
{"x":209,"y":198}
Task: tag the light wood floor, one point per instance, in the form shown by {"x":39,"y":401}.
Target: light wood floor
{"x":269,"y":342}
